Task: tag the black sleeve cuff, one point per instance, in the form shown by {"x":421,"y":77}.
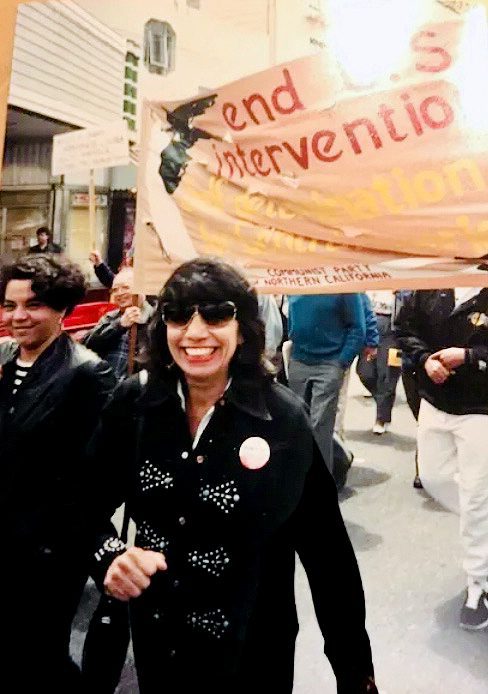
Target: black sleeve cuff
{"x":110,"y":548}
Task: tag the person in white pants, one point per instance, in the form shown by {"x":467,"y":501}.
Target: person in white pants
{"x":446,"y":335}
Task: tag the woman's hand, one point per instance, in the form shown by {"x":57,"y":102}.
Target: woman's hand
{"x":130,"y":574}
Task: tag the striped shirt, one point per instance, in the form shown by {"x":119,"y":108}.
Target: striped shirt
{"x":21,"y":371}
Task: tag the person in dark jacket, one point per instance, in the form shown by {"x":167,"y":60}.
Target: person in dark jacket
{"x":224,"y":483}
{"x":45,"y":243}
{"x":52,"y":391}
{"x":445,"y":334}
{"x":110,"y":337}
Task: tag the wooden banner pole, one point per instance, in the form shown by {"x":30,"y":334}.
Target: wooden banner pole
{"x":92,"y":211}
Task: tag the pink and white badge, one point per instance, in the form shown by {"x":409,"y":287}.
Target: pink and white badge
{"x":254,"y":453}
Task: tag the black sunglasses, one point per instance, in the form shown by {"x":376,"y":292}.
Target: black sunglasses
{"x":212,"y":313}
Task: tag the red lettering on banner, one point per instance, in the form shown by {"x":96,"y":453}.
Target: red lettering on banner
{"x":412,"y":114}
{"x":219,"y":161}
{"x":242,"y":156}
{"x":257,"y":160}
{"x":230,"y":110}
{"x":302,"y":158}
{"x":323,"y":153}
{"x":349,"y":129}
{"x":418,"y":46}
{"x":249,"y":102}
{"x":433,"y":112}
{"x":446,"y":109}
{"x":271,"y":149}
{"x":231,"y":119}
{"x":386,"y":113}
{"x":287,"y":88}
{"x":229,"y":158}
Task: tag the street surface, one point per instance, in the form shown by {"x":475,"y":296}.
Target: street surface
{"x":410,"y":558}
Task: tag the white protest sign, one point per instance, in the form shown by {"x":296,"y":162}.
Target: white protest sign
{"x":91,"y":148}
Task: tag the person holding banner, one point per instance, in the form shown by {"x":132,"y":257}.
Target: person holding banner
{"x":52,"y":391}
{"x":219,"y":468}
{"x":109,"y":338}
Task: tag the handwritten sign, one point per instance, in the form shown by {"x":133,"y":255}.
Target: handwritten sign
{"x":91,"y":148}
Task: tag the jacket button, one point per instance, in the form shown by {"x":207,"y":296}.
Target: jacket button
{"x":176,"y":583}
{"x":182,"y":520}
{"x":172,"y":653}
{"x":184,"y":455}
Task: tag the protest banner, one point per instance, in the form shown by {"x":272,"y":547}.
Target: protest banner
{"x":313,"y":183}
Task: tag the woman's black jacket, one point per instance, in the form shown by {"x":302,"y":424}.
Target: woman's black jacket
{"x":224,"y":611}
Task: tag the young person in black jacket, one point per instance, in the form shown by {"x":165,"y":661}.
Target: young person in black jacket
{"x":225,"y":484}
{"x":45,"y":244}
{"x":52,"y":391}
{"x":445,"y":335}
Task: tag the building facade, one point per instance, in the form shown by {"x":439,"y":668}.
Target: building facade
{"x":67,"y":73}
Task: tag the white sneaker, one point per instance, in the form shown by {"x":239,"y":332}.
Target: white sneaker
{"x":380,"y":428}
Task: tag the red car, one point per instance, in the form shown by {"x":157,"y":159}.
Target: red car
{"x":84,"y":317}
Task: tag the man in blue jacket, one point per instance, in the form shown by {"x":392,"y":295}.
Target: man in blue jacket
{"x":328,"y":331}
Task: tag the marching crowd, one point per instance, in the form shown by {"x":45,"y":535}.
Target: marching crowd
{"x":227,"y":448}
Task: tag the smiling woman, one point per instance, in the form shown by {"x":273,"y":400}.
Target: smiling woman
{"x":225,"y":484}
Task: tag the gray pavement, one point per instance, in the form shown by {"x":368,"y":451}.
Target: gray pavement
{"x":410,"y":558}
{"x":409,"y":554}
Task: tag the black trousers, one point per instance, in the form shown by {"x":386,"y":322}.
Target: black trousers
{"x":38,"y":608}
{"x":376,"y":376}
{"x":409,"y":380}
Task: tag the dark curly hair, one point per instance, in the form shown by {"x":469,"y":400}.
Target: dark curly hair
{"x":57,"y":282}
{"x":211,"y":279}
